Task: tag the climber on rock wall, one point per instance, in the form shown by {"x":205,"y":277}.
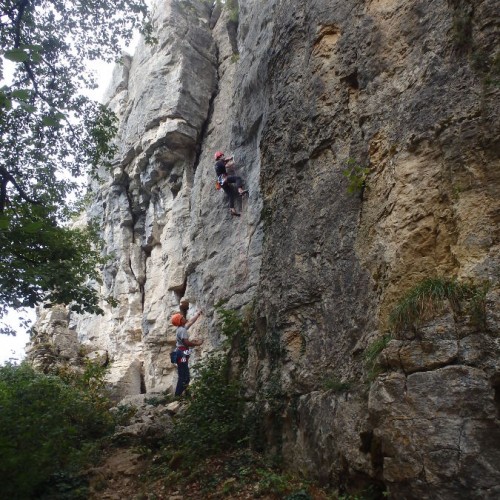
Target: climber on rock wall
{"x":229,"y":183}
{"x":183,"y":345}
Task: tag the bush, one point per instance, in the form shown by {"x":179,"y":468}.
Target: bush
{"x":48,"y":428}
{"x":213,"y":421}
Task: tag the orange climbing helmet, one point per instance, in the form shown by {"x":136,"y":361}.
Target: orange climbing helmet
{"x":218,"y":154}
{"x":177,"y":319}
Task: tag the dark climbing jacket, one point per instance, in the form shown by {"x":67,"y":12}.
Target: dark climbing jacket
{"x":220,"y":170}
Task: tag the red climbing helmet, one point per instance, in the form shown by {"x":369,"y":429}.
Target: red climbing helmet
{"x":218,"y":154}
{"x":177,"y":319}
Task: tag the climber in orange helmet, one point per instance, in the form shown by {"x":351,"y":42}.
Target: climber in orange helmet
{"x":183,"y":345}
{"x":228,"y":182}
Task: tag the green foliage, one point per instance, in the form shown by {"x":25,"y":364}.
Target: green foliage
{"x":356,"y":174}
{"x":92,"y":386}
{"x":428,"y":297}
{"x":231,"y":324}
{"x":65,"y":486}
{"x":51,"y":136}
{"x":123,"y":413}
{"x":369,"y":493}
{"x":371,"y":354}
{"x":332,"y":383}
{"x":376,"y":347}
{"x":477,"y":303}
{"x":49,"y":427}
{"x":234,"y":330}
{"x":237,"y":474}
{"x":213,"y":420}
{"x":41,"y":261}
{"x":159,"y":399}
{"x":284,"y":485}
{"x":271,"y":482}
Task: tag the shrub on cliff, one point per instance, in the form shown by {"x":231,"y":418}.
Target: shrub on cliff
{"x":49,"y":429}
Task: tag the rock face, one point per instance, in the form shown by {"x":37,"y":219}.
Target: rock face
{"x":313,"y":97}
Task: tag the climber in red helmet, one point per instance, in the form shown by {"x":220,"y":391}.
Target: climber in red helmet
{"x":183,"y":346}
{"x":228,"y":182}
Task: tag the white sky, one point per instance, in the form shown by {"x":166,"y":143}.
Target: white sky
{"x":12,"y":348}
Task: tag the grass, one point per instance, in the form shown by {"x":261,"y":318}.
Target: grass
{"x":376,"y":347}
{"x":371,"y":354}
{"x":335,"y":384}
{"x":429,"y":297}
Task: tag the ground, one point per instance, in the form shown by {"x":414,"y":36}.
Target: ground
{"x":143,"y":475}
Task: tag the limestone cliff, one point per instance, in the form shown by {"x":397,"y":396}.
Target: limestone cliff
{"x":404,"y":93}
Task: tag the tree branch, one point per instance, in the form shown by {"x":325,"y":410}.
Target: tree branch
{"x":3,"y":194}
{"x":22,"y":7}
{"x":8,"y":177}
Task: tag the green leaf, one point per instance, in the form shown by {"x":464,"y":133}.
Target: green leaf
{"x":28,"y":107}
{"x":5,"y":102}
{"x":36,"y":53}
{"x":50,"y":121}
{"x":21,"y":94}
{"x":16,"y":55}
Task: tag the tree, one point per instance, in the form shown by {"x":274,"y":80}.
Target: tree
{"x":51,"y":136}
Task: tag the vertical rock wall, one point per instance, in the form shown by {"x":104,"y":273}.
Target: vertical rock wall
{"x":394,"y":87}
{"x":300,"y":91}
